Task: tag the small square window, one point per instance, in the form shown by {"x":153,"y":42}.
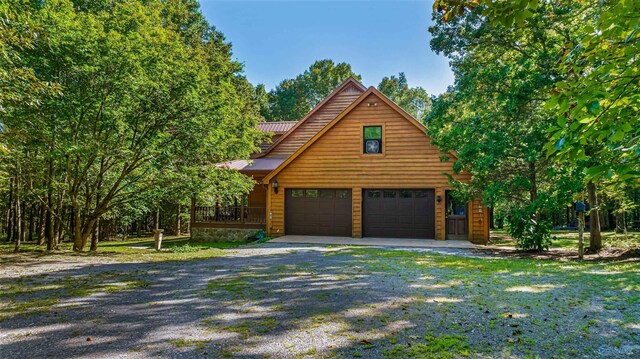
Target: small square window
{"x":311,"y":193}
{"x":422,"y":194}
{"x":372,"y":139}
{"x":326,"y":193}
{"x":297,"y":193}
{"x":374,"y":194}
{"x":389,"y":194}
{"x":342,"y":193}
{"x":406,"y":193}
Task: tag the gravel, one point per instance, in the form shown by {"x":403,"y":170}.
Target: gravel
{"x":288,"y":301}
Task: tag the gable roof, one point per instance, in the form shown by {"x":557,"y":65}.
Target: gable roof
{"x":370,"y":91}
{"x":349,"y":82}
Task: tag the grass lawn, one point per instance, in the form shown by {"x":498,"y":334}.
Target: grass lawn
{"x":134,"y":249}
{"x":569,"y":239}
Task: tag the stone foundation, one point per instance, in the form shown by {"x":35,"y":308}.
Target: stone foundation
{"x":221,"y":234}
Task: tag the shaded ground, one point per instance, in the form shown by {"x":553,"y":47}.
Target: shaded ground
{"x":288,"y":301}
{"x":564,"y":246}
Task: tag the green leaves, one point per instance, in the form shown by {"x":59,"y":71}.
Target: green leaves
{"x":292,"y":99}
{"x":152,"y":100}
{"x":415,"y":101}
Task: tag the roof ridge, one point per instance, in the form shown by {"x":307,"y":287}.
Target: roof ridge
{"x":350,"y":80}
{"x":371,"y":90}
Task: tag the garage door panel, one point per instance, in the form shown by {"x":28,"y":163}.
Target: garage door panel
{"x":321,"y":212}
{"x":399,"y":213}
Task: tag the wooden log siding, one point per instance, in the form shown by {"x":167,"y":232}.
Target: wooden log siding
{"x":335,"y":160}
{"x":312,"y":125}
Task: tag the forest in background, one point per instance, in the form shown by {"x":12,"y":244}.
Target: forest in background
{"x":112,"y":114}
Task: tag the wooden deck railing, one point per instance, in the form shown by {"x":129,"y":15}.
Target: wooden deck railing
{"x":230,"y":217}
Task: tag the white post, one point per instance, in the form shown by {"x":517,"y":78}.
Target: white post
{"x":157,"y":238}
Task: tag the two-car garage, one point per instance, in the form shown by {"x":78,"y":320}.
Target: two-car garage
{"x":396,"y":213}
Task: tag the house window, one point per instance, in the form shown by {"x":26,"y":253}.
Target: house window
{"x":342,"y":193}
{"x":372,"y":139}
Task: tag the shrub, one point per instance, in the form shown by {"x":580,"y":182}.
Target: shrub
{"x":530,"y":233}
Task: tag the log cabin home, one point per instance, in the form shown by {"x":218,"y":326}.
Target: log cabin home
{"x":356,"y":165}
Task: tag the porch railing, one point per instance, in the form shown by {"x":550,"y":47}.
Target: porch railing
{"x":225,"y":216}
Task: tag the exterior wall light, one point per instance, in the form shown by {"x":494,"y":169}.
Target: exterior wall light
{"x":274,"y":184}
{"x":439,"y":198}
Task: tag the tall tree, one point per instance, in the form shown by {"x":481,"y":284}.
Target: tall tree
{"x":148,"y":88}
{"x":416,"y":101}
{"x":596,"y":99}
{"x":493,"y":118}
{"x":294,"y":98}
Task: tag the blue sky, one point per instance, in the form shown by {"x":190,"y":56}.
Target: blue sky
{"x":280,"y":39}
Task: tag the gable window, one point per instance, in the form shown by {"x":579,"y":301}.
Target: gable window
{"x":372,"y":139}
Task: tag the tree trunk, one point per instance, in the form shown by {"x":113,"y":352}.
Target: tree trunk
{"x":178,"y":222}
{"x":41,"y":227}
{"x":533,"y":197}
{"x":581,"y":236}
{"x":18,"y":214}
{"x":10,"y":212}
{"x":621,"y":223}
{"x":31,"y":221}
{"x":595,"y":238}
{"x":95,"y":236}
{"x":49,"y":230}
{"x":81,"y":234}
{"x":157,"y":224}
{"x":23,"y":225}
{"x":58,"y":234}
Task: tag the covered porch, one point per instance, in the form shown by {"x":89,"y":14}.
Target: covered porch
{"x":249,"y":211}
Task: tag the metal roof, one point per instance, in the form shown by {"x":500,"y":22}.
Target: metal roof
{"x":254,"y":165}
{"x":276,"y":127}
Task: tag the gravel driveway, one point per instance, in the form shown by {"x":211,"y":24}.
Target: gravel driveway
{"x":294,"y":301}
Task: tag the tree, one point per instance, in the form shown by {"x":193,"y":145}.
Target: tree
{"x":294,"y":98}
{"x":18,"y":83}
{"x":494,"y":121}
{"x":148,"y":89}
{"x":415,"y":101}
{"x":597,"y":101}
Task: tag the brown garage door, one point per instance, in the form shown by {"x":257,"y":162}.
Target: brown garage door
{"x":399,"y":213}
{"x":318,"y":212}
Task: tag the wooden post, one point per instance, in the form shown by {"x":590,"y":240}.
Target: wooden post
{"x":581,"y":211}
{"x":242,"y":210}
{"x":581,"y":235}
{"x":192,"y":211}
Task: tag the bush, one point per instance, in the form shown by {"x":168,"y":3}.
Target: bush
{"x":186,"y":248}
{"x":529,"y":233}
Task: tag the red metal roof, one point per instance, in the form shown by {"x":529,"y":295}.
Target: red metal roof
{"x":276,"y":127}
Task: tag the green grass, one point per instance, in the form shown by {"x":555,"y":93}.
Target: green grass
{"x":135,"y":249}
{"x":440,"y":347}
{"x":569,"y":239}
{"x":28,"y":296}
{"x":245,"y":328}
{"x":190,"y":343}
